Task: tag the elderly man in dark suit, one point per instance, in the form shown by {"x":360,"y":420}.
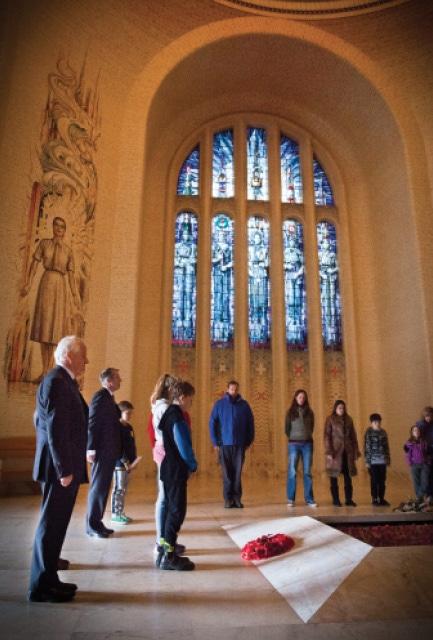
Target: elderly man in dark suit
{"x":104,"y":447}
{"x":60,"y":466}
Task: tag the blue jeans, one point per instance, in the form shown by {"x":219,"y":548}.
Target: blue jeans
{"x":420,"y":478}
{"x":305,"y":451}
{"x":160,"y":505}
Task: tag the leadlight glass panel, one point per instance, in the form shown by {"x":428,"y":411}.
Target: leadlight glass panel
{"x":291,"y":179}
{"x":329,"y":285}
{"x":322,"y":187}
{"x":222,"y":281}
{"x":222,"y":165}
{"x":294,"y":285}
{"x":259,"y":288}
{"x":185,"y":279}
{"x":189,"y":175}
{"x":257,"y":164}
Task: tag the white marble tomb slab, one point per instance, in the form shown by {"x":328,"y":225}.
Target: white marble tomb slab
{"x":309,"y":574}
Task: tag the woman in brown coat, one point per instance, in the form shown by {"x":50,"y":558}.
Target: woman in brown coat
{"x":342,"y":451}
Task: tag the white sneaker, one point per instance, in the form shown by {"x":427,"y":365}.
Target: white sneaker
{"x":291,"y":503}
{"x":312,"y":504}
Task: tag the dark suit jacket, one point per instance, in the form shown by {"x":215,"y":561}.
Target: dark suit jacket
{"x":104,"y":426}
{"x":61,"y":429}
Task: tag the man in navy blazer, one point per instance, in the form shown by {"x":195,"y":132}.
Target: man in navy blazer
{"x":60,"y":466}
{"x":104,"y":447}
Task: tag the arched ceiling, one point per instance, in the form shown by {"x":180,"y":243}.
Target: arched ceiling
{"x":310,"y":9}
{"x":260,"y":71}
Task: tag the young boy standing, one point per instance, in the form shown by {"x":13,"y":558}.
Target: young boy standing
{"x":123,"y":465}
{"x":178,"y":463}
{"x":377,"y":458}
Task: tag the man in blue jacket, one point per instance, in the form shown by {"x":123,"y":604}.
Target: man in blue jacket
{"x":231,"y":427}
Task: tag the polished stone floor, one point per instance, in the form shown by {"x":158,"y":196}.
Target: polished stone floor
{"x":387,"y":594}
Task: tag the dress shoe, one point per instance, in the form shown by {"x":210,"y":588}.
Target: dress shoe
{"x":53,"y":594}
{"x":98,"y":534}
{"x":350,"y":503}
{"x":62,"y":565}
{"x":238,"y":504}
{"x":384,"y":503}
{"x":337,"y":503}
{"x":228,"y":504}
{"x":66,"y":586}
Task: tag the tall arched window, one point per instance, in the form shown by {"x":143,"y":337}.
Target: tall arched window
{"x":257,"y":164}
{"x":185,"y":279}
{"x":259,"y":285}
{"x":291,"y":179}
{"x":329,"y":285}
{"x":188,"y":182}
{"x":244,"y":299}
{"x":222,"y":281}
{"x":223,"y":184}
{"x":294,"y":285}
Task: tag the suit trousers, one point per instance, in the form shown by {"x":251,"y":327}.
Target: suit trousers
{"x":102,"y":474}
{"x":56,"y":510}
{"x":232,"y":460}
{"x":175,"y":509}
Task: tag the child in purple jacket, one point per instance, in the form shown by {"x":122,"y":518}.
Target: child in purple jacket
{"x":418,"y":461}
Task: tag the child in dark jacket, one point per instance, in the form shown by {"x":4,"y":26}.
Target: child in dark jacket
{"x":417,"y":459}
{"x":178,"y":463}
{"x":377,"y":458}
{"x":123,"y":466}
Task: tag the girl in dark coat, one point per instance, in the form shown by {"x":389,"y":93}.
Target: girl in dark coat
{"x":342,"y":451}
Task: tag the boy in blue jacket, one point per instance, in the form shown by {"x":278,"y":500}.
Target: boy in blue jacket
{"x":178,"y":463}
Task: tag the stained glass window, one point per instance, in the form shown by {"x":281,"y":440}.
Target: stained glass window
{"x":189,"y":175}
{"x":222,"y":281}
{"x":185,"y":279}
{"x":259,"y":289}
{"x":291,"y":179}
{"x":294,"y":285}
{"x":257,"y":164}
{"x":222,"y":165}
{"x":329,"y":285}
{"x":322,"y":188}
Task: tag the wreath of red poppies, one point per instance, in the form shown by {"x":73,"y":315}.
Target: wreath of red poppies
{"x":267,"y":546}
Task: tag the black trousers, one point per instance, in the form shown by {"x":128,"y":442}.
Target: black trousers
{"x":100,"y":483}
{"x":56,"y":510}
{"x":377,"y":481}
{"x":232,"y":460}
{"x":348,"y":487}
{"x":175,"y":509}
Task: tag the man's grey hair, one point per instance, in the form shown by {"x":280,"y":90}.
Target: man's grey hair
{"x":64,"y":348}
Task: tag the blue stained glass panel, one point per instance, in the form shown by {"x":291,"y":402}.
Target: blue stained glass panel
{"x":189,"y":175}
{"x":259,"y":288}
{"x":294,"y":285}
{"x":185,"y":279}
{"x":322,"y":187}
{"x":222,"y":281}
{"x":222,"y":165}
{"x":257,"y":164}
{"x":291,"y":178}
{"x":330,"y":300}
